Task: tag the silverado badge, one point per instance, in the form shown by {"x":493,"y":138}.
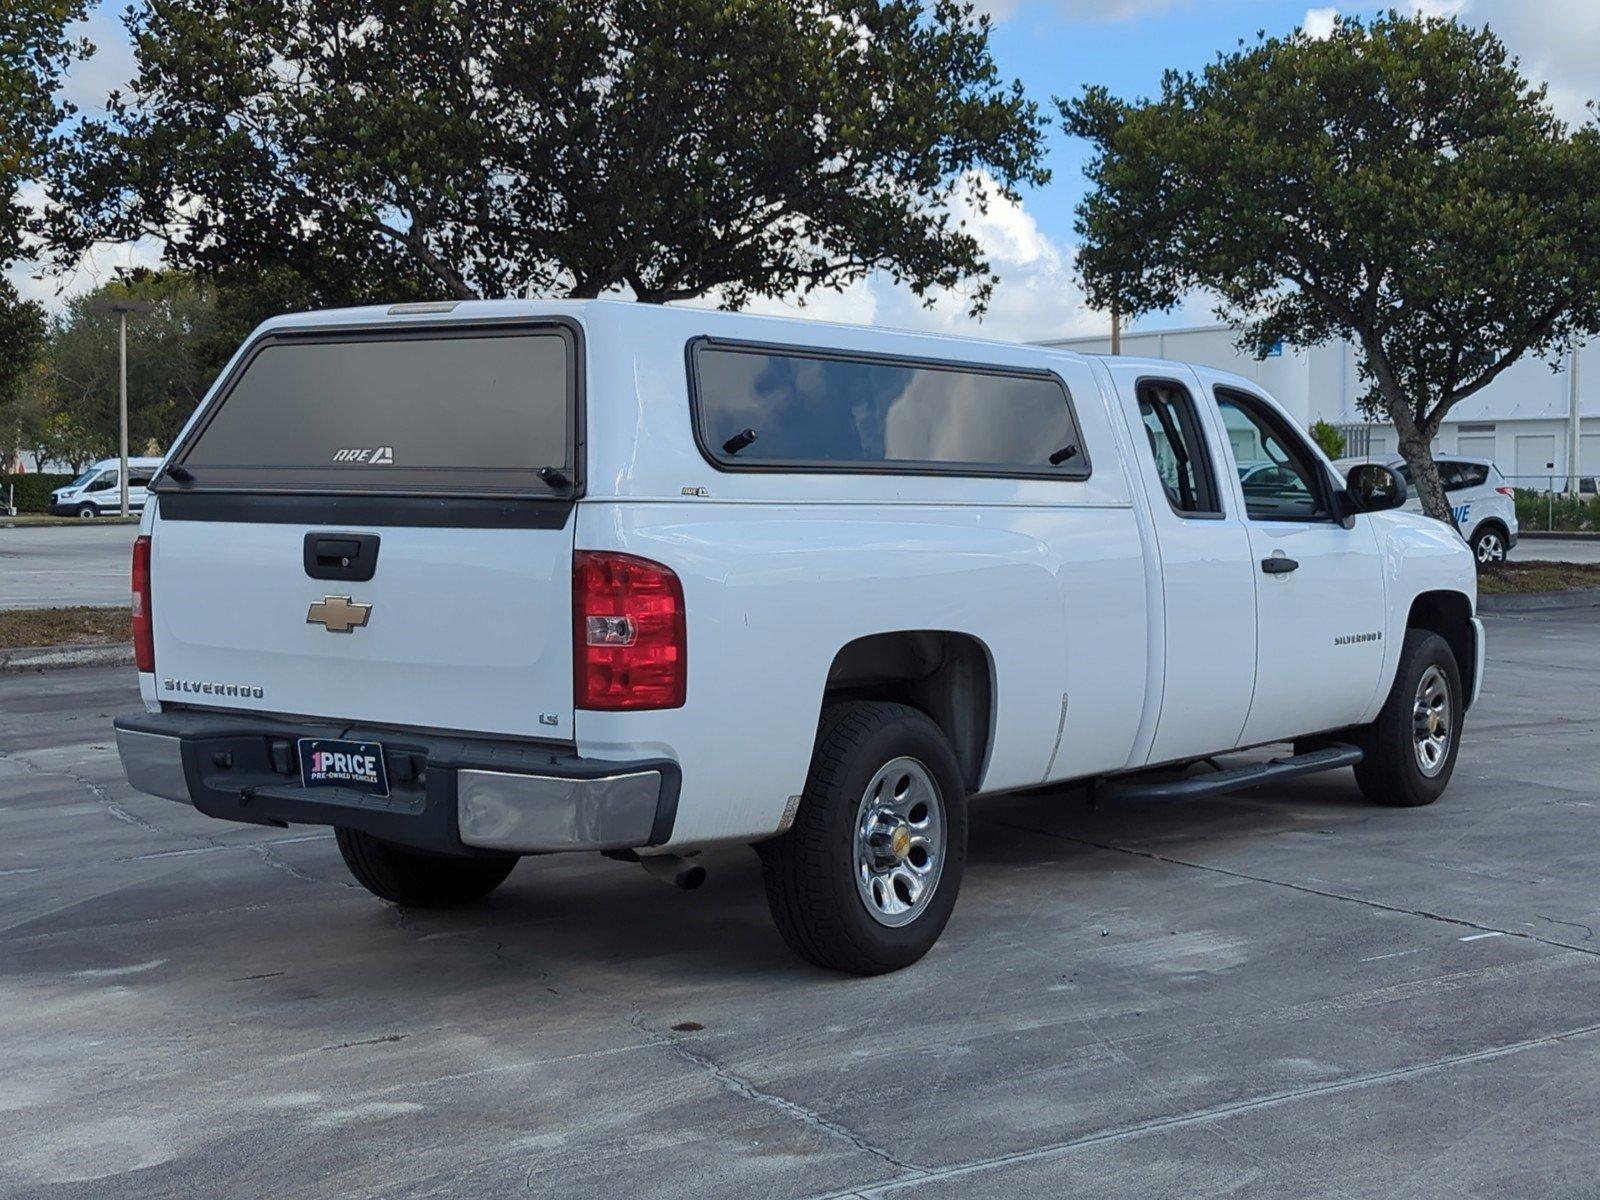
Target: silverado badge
{"x":337,"y":614}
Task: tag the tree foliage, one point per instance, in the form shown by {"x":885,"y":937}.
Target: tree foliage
{"x":34,"y":52}
{"x":174,"y":353}
{"x":672,"y":148}
{"x":1399,"y":183}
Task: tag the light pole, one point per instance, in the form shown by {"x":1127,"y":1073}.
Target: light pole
{"x":122,"y":307}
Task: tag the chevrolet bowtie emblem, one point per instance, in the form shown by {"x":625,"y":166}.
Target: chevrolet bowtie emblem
{"x":337,"y":614}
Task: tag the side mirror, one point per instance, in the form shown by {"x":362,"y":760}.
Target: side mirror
{"x":1371,"y":487}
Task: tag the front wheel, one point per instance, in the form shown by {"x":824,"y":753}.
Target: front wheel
{"x":1411,"y":747}
{"x":417,"y":879}
{"x":865,"y":879}
{"x":1489,"y":545}
{"x":87,"y":512}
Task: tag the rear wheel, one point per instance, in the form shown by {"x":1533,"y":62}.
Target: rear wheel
{"x":1489,"y":544}
{"x":865,"y":879}
{"x":1411,"y":747}
{"x":417,"y":879}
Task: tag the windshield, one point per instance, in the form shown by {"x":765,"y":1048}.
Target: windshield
{"x":460,"y":411}
{"x":91,"y":473}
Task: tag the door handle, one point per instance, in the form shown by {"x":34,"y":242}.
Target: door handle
{"x":1279,"y":565}
{"x":352,"y":556}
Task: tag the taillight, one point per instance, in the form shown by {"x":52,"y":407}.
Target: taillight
{"x":629,"y":634}
{"x":144,"y":646}
{"x":1507,"y":491}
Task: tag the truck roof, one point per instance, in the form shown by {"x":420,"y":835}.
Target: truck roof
{"x":665,"y":317}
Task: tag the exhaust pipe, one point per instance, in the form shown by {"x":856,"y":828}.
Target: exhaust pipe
{"x":670,"y":868}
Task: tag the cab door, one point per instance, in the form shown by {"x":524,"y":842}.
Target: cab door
{"x":1206,"y":570}
{"x":1319,"y":586}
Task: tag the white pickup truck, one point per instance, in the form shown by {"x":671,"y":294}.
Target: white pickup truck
{"x":473,"y":581}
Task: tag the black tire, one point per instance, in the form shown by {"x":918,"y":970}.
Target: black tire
{"x":1489,"y":543}
{"x":810,"y":871}
{"x":87,"y":511}
{"x":1392,"y":772}
{"x":416,"y":879}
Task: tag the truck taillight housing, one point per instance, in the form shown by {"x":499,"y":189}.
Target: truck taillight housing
{"x":144,"y":644}
{"x":629,"y":634}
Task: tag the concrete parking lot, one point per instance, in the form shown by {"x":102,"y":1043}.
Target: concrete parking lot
{"x":56,"y":565}
{"x":1287,"y":993}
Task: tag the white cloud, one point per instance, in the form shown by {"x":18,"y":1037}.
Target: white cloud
{"x":88,"y":83}
{"x":1558,"y":42}
{"x":1036,"y":297}
{"x":1319,"y":22}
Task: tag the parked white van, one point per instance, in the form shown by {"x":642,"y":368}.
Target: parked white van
{"x":473,"y":581}
{"x":99,"y":489}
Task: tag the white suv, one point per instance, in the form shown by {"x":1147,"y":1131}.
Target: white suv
{"x":471,"y":582}
{"x":1481,"y":501}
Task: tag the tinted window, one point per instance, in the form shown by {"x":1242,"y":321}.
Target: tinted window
{"x":450,"y":412}
{"x":1173,"y":431}
{"x":138,"y":478}
{"x":766,"y":407}
{"x":1278,"y":473}
{"x":1466,"y":475}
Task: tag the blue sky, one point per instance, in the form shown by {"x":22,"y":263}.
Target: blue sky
{"x":1054,"y":47}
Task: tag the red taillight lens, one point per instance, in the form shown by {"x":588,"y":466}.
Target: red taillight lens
{"x":1507,"y":491}
{"x":144,"y":645}
{"x":629,"y":640}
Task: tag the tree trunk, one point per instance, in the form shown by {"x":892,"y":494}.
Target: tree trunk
{"x":1425,"y":477}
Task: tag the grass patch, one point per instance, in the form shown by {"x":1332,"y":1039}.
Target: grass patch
{"x":1515,"y":578}
{"x":63,"y":627}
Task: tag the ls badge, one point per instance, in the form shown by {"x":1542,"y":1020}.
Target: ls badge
{"x":337,"y":614}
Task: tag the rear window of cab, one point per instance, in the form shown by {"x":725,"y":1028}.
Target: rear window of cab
{"x":798,"y":409}
{"x":456,"y":411}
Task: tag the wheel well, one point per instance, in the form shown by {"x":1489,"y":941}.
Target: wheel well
{"x":1449,"y":614}
{"x":1505,"y":530}
{"x":946,"y":675}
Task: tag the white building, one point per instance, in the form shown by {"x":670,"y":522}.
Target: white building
{"x":1520,"y":420}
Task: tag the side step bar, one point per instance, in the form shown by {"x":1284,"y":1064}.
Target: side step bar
{"x":1232,"y":779}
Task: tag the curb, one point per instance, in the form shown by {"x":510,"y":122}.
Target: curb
{"x":65,"y":523}
{"x":56,"y":658}
{"x":1576,"y":598}
{"x":1570,"y":535}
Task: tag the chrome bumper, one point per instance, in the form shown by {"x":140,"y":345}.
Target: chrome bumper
{"x":153,"y":763}
{"x":502,"y":810}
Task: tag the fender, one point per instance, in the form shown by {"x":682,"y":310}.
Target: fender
{"x":1420,"y":555}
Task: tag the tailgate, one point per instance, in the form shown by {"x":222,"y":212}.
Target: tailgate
{"x":467,"y":629}
{"x":376,"y":525}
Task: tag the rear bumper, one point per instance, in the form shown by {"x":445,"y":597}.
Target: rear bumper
{"x":448,"y":794}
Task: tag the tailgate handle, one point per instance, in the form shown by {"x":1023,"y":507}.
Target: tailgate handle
{"x":341,"y":555}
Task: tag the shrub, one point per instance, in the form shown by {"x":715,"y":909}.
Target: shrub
{"x":1329,"y":438}
{"x":32,"y":492}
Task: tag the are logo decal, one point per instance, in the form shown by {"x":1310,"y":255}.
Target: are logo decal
{"x":377,"y":456}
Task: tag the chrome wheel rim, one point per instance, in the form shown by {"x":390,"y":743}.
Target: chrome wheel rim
{"x":899,"y":842}
{"x":1491,"y":548}
{"x":1431,"y":722}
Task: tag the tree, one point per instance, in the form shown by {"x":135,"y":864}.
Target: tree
{"x":21,"y":338}
{"x":673,"y":148}
{"x":1398,"y":183}
{"x":34,"y":51}
{"x":172,"y":360}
